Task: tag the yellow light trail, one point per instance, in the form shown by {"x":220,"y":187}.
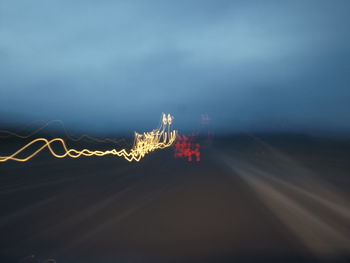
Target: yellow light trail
{"x":143,"y":144}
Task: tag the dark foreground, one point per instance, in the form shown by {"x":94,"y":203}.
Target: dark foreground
{"x":275,"y":199}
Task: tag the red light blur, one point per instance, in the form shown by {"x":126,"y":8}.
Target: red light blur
{"x":186,"y":148}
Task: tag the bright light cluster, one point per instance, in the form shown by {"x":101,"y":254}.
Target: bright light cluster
{"x":143,"y":144}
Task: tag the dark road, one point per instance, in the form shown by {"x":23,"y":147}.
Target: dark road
{"x":249,"y":201}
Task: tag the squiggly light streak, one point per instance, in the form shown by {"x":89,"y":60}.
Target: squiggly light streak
{"x":8,"y":134}
{"x":143,"y":144}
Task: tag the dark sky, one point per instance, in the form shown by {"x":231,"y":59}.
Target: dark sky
{"x":111,"y":66}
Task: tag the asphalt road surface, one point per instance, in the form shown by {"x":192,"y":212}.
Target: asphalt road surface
{"x":248,"y":200}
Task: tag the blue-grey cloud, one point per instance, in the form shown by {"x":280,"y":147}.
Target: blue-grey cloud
{"x":250,"y":65}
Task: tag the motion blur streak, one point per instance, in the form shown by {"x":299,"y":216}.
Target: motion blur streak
{"x":315,"y":212}
{"x":4,"y":134}
{"x":143,"y":144}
